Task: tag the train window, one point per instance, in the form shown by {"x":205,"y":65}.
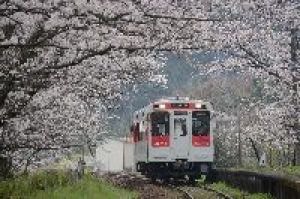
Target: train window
{"x":201,"y":123}
{"x":161,"y":128}
{"x":180,"y":112}
{"x":180,"y":127}
{"x":160,"y":123}
{"x":179,"y":105}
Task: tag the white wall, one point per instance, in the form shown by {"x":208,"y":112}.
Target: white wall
{"x":109,"y":156}
{"x":128,"y":156}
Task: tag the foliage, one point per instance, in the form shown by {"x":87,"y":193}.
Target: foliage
{"x":236,"y":193}
{"x":26,"y":185}
{"x":288,"y":171}
{"x":63,"y":64}
{"x":87,"y":188}
{"x":243,"y":106}
{"x":292,"y":170}
{"x":59,"y":185}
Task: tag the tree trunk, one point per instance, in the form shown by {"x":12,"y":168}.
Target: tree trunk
{"x":295,"y":81}
{"x":5,"y":167}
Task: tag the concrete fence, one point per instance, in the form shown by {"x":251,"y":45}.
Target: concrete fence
{"x":277,"y":186}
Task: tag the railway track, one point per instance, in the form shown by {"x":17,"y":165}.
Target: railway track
{"x":202,"y":192}
{"x":159,"y":189}
{"x":185,"y":193}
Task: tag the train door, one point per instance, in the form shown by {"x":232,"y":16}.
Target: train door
{"x":180,"y":129}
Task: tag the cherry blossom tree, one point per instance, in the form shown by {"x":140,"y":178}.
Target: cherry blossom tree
{"x":262,"y":36}
{"x":63,"y":63}
{"x":92,"y":48}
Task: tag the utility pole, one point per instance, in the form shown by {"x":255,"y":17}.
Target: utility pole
{"x":239,"y":134}
{"x":82,"y":152}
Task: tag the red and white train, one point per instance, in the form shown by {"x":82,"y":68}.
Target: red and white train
{"x":173,"y":138}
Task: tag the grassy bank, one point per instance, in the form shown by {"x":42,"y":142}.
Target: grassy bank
{"x":236,"y":193}
{"x":292,"y":172}
{"x":60,"y":186}
{"x":288,"y":170}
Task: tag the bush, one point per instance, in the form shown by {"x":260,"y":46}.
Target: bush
{"x":26,"y":185}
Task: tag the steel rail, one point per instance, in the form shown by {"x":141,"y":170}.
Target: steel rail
{"x":219,"y":193}
{"x":185,"y":193}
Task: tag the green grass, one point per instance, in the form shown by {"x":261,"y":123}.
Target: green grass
{"x":288,"y":171}
{"x":60,"y":186}
{"x":87,"y":188}
{"x":236,"y":193}
{"x":292,"y":170}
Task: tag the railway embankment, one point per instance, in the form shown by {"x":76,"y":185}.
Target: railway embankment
{"x":142,"y":185}
{"x":147,"y":188}
{"x":279,"y":186}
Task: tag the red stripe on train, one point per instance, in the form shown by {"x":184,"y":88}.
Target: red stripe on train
{"x":160,"y":141}
{"x":201,"y":141}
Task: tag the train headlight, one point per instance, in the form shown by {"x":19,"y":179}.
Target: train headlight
{"x":162,"y":106}
{"x":197,"y":105}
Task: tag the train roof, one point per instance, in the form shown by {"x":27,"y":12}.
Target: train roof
{"x":175,"y":100}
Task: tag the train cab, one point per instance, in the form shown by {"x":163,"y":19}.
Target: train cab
{"x":173,"y":138}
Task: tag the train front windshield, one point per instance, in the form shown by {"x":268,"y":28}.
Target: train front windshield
{"x":201,"y":123}
{"x":160,"y":123}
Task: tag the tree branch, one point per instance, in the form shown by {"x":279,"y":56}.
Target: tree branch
{"x":258,"y":64}
{"x":156,"y":16}
{"x":31,"y":45}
